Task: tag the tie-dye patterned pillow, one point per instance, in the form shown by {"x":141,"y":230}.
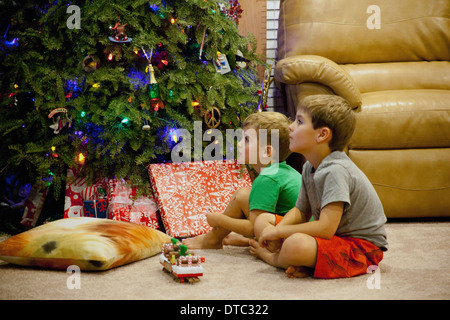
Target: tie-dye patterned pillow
{"x":90,"y":243}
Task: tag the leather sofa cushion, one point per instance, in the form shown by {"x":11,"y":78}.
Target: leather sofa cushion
{"x":398,"y":119}
{"x":409,"y":30}
{"x":410,"y":181}
{"x":400,"y":75}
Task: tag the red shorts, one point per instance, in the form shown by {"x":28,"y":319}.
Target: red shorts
{"x":343,"y":257}
{"x":278,"y":218}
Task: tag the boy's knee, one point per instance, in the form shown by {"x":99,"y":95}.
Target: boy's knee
{"x":299,"y":242}
{"x":265,"y":218}
{"x":300,"y":250}
{"x":242,"y":194}
{"x":262,"y":221}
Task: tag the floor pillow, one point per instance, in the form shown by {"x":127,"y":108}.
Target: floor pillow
{"x":89,"y":243}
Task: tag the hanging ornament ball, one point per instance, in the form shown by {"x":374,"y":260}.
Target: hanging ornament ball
{"x":90,"y":63}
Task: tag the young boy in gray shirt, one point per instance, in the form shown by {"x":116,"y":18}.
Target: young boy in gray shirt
{"x":347,"y":234}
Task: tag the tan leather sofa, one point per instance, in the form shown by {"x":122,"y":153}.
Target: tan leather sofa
{"x":390,"y":60}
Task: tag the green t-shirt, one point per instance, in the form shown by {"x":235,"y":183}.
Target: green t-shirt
{"x":275,"y":189}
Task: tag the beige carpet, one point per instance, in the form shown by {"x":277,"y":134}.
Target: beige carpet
{"x":417,"y":266}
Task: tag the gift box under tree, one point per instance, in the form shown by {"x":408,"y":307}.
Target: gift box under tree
{"x":125,"y":205}
{"x":73,"y":203}
{"x":33,"y":205}
{"x":95,"y":204}
{"x":80,"y":196}
{"x":184,"y":192}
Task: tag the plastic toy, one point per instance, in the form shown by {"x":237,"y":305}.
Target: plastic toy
{"x":184,"y":266}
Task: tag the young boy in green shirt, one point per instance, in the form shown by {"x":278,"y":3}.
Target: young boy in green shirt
{"x":273,"y":193}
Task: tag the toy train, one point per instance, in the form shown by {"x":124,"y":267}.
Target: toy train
{"x":184,"y":266}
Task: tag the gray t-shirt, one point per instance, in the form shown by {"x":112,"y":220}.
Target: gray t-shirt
{"x":338,"y":179}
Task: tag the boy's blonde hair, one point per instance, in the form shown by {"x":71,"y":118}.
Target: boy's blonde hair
{"x":333,"y":112}
{"x":271,"y":120}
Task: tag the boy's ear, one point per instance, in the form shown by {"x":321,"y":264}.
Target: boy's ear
{"x":324,"y":134}
{"x":269,"y":151}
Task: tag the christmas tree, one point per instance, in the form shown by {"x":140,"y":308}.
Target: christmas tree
{"x":106,"y":84}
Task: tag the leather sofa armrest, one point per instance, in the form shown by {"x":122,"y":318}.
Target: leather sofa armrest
{"x":311,"y":68}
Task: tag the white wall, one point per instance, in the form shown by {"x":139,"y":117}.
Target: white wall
{"x":274,"y":102}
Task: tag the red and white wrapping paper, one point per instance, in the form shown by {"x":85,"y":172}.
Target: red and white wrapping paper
{"x":34,"y":205}
{"x":73,"y":202}
{"x":77,"y":191}
{"x":185,"y":191}
{"x":124,"y":207}
{"x":90,"y":193}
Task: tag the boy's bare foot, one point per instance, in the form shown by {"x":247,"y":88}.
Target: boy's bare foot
{"x":235,"y":239}
{"x":203,"y":241}
{"x":271,"y":258}
{"x":298,"y":272}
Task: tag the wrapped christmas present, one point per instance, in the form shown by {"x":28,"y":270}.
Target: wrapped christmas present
{"x":125,"y":205}
{"x":78,"y":191}
{"x":186,"y":191}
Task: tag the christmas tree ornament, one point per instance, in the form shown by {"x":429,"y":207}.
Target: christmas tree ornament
{"x":212,"y":117}
{"x":153,"y":86}
{"x":58,"y":123}
{"x":241,"y":62}
{"x":90,"y":63}
{"x":146,"y":125}
{"x":119,"y":35}
{"x":202,"y":44}
{"x":221,"y":63}
{"x":234,"y":13}
{"x":153,"y":91}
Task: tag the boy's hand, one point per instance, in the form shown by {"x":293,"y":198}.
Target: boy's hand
{"x":269,"y":234}
{"x":274,"y":246}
